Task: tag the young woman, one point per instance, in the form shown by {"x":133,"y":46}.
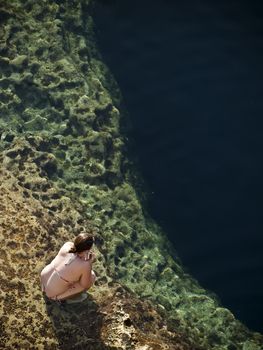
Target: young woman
{"x":70,"y":273}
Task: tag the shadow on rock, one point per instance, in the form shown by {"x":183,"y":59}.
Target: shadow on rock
{"x":77,"y":326}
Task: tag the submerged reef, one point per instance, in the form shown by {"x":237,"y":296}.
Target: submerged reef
{"x":64,"y":169}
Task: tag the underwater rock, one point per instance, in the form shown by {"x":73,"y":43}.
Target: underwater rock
{"x":64,"y":169}
{"x":37,"y":123}
{"x":19,"y":61}
{"x":32,"y":229}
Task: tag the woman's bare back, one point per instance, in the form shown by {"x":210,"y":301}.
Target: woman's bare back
{"x":64,"y":272}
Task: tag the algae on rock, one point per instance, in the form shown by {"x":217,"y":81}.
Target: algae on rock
{"x":64,"y":169}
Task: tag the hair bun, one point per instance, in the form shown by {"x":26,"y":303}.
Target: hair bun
{"x":73,"y":249}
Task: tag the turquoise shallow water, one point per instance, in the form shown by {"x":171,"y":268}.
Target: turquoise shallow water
{"x":191,"y":77}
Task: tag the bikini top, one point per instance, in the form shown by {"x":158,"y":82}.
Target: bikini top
{"x":68,"y":262}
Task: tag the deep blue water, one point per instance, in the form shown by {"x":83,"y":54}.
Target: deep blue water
{"x":191,"y":75}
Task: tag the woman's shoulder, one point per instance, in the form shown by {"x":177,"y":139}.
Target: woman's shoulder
{"x":66,"y":247}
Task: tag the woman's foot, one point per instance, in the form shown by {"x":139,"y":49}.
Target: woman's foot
{"x":77,"y":298}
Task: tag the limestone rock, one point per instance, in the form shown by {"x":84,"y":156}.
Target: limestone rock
{"x":64,"y":169}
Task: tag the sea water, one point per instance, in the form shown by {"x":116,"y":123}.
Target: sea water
{"x":191,"y":75}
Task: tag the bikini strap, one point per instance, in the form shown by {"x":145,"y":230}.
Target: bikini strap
{"x":71,"y":258}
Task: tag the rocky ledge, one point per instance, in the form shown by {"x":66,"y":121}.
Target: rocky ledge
{"x":64,"y":169}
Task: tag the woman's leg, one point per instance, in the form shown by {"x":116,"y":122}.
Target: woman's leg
{"x":44,"y":276}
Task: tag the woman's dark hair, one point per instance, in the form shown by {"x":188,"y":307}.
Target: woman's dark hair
{"x":83,"y":241}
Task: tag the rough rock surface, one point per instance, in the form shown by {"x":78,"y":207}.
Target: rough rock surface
{"x":64,"y":169}
{"x":31,"y":231}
